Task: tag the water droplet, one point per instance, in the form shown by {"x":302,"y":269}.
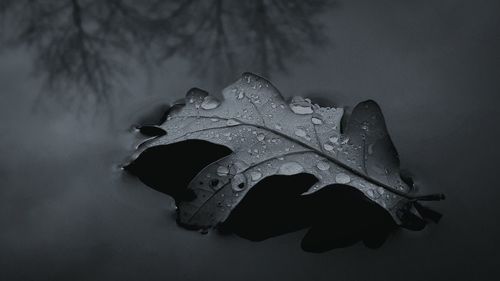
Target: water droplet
{"x":370,"y":149}
{"x":195,"y":95}
{"x":238,"y":182}
{"x":222,"y":171}
{"x":334,"y":140}
{"x":210,"y":102}
{"x":277,"y":127}
{"x":323,"y":165}
{"x":372,"y":193}
{"x":328,"y":147}
{"x":364,"y":126}
{"x":255,"y":175}
{"x":300,"y":132}
{"x":260,"y":137}
{"x":290,"y":168}
{"x":300,"y":105}
{"x":342,"y":178}
{"x":214,"y":184}
{"x":381,"y":190}
{"x":316,"y":121}
{"x":232,"y":122}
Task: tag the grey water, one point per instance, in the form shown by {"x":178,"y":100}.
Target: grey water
{"x":68,"y":212}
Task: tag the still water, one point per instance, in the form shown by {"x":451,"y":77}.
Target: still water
{"x":68,"y":212}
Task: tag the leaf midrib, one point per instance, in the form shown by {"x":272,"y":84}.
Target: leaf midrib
{"x":312,"y":148}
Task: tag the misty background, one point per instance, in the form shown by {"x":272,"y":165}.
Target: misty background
{"x":76,"y":76}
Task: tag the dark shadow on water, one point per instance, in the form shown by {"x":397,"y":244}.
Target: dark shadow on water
{"x":169,"y":168}
{"x":335,"y":216}
{"x":272,"y":207}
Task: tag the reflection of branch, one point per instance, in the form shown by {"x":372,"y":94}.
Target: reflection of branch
{"x":81,"y":42}
{"x":84,"y":45}
{"x":224,"y":37}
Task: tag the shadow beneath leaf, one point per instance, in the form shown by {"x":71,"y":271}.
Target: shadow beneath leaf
{"x":335,"y":216}
{"x":169,"y":168}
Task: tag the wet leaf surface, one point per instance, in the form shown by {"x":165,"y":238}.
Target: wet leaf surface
{"x":259,"y":166}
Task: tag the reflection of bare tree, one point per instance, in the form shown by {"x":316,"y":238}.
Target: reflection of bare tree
{"x":224,"y":37}
{"x":76,"y":42}
{"x":83,"y":43}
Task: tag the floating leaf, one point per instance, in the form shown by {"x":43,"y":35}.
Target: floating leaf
{"x":268,"y":136}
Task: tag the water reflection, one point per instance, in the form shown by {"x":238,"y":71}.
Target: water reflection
{"x":88,"y":45}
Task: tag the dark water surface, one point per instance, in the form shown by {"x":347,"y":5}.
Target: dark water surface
{"x":68,"y":213}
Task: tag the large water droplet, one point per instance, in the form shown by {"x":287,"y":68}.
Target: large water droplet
{"x":210,"y":102}
{"x":323,"y":165}
{"x":342,"y":178}
{"x":328,"y":147}
{"x":316,"y":121}
{"x":290,"y":168}
{"x":301,"y":106}
{"x":255,"y":175}
{"x":300,"y":132}
{"x":239,"y":182}
{"x":260,"y":137}
{"x":195,"y":94}
{"x":222,"y":171}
